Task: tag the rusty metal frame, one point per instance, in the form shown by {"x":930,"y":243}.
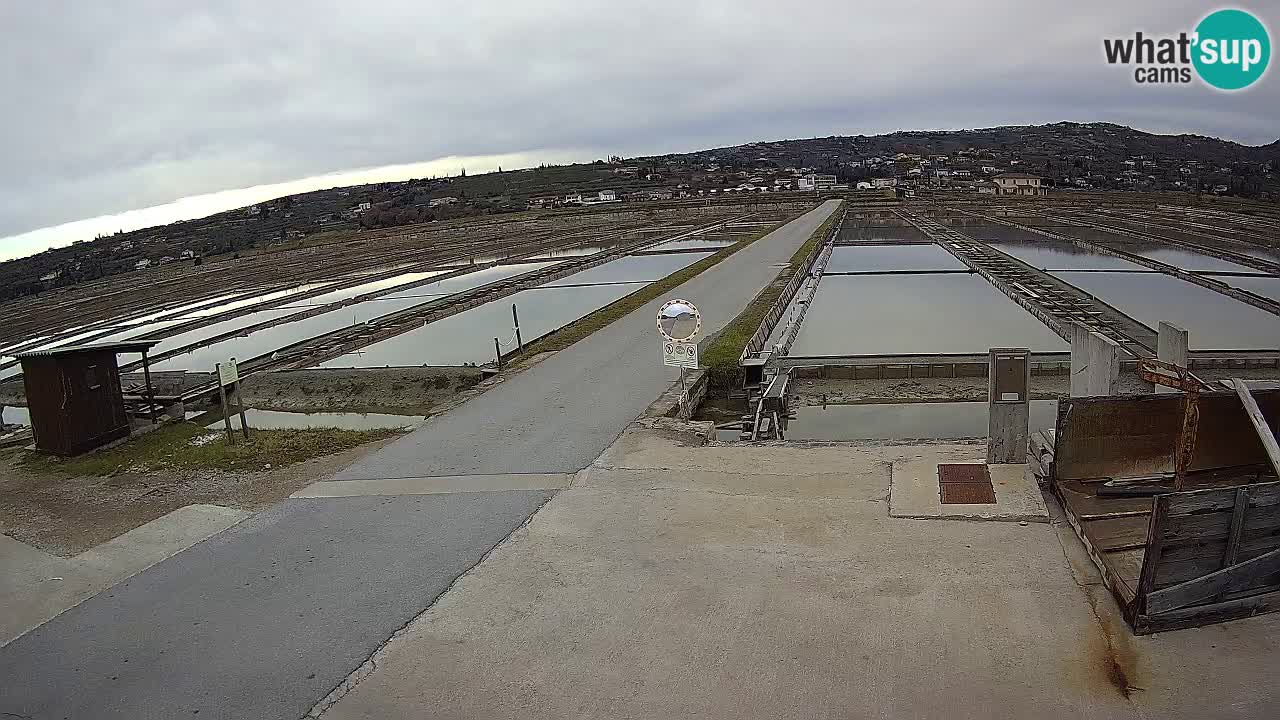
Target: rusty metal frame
{"x":1172,"y":375}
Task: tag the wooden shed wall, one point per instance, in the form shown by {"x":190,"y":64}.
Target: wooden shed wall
{"x":75,"y":401}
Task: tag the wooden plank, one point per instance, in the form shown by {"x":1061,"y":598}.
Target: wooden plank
{"x":1122,"y":533}
{"x":1126,"y":565}
{"x":1260,"y":425}
{"x":1235,"y":577}
{"x":1122,"y":591}
{"x":1198,"y":501}
{"x":1199,"y":615}
{"x":1217,"y":526}
{"x":1155,"y":543}
{"x":1236,"y":532}
{"x":1082,"y":501}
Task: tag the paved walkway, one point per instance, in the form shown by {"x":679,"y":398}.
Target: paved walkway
{"x":263,"y":620}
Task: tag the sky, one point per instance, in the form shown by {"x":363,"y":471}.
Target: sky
{"x":134,"y":113}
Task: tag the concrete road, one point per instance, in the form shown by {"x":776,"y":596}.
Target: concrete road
{"x":562,"y":413}
{"x":262,"y":620}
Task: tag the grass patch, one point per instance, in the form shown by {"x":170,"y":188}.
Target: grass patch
{"x":171,"y":448}
{"x":573,"y":332}
{"x":722,"y":353}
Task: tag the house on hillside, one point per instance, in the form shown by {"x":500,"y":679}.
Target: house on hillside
{"x":1019,"y":184}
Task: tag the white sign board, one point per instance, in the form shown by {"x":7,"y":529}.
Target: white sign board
{"x":680,"y":354}
{"x":228,"y":373}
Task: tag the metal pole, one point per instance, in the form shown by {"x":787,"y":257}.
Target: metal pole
{"x":151,"y":395}
{"x":515,"y":317}
{"x":497,"y":351}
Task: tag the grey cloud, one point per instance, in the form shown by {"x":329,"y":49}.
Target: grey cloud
{"x":112,"y":106}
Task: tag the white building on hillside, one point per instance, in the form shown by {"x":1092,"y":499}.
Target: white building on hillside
{"x":1018,"y":184}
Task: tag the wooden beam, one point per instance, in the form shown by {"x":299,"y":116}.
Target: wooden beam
{"x":1224,"y":580}
{"x":1259,"y":423}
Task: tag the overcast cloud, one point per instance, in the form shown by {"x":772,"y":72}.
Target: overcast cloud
{"x":122,"y":105}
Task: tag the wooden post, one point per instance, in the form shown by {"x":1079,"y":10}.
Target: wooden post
{"x":239,"y":401}
{"x":151,"y":395}
{"x":515,"y":318}
{"x":222,"y":396}
{"x":1260,"y":425}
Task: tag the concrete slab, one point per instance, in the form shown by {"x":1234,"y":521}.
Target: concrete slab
{"x":651,"y":588}
{"x":36,"y":586}
{"x":913,"y":491}
{"x":438,"y":484}
{"x":261,"y":620}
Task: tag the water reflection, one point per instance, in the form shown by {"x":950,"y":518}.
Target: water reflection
{"x":877,"y":258}
{"x":905,"y":421}
{"x":1215,"y":321}
{"x":894,"y":314}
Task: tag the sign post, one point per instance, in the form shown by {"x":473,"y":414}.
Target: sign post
{"x":679,"y":322}
{"x":229,"y":385}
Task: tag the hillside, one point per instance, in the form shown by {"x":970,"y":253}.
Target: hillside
{"x":1099,"y":156}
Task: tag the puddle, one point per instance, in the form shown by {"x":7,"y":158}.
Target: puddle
{"x":280,"y":420}
{"x":11,"y":415}
{"x":633,"y":268}
{"x":468,"y":336}
{"x":905,"y":421}
{"x":1215,"y":321}
{"x":365,"y":288}
{"x":571,"y":252}
{"x":865,"y":233}
{"x":900,"y":314}
{"x":876,"y":258}
{"x":462,"y":283}
{"x":255,"y":299}
{"x":709,"y":243}
{"x":1184,"y":259}
{"x":273,"y":338}
{"x":199,"y":334}
{"x":1045,"y":253}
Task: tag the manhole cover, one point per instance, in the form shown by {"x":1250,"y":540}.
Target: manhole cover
{"x":968,"y":494}
{"x":965,"y":484}
{"x":964,"y":473}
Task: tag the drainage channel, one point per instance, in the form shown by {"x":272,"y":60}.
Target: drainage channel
{"x":1054,"y":302}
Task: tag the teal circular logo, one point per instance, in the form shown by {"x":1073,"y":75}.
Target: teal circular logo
{"x":1232,"y":49}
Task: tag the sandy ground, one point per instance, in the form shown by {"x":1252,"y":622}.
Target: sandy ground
{"x":66,"y":516}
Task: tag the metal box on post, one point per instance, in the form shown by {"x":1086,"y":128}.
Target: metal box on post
{"x":1009,"y":388}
